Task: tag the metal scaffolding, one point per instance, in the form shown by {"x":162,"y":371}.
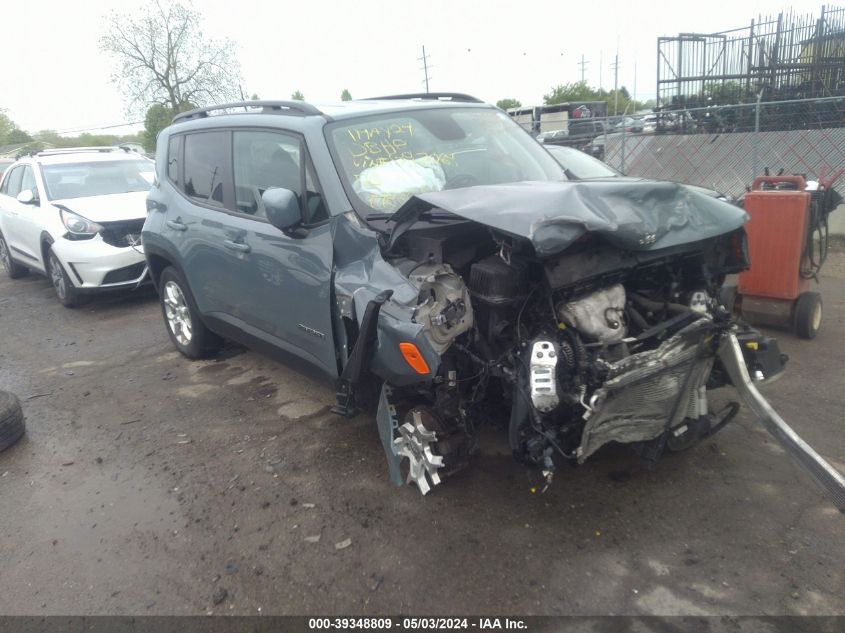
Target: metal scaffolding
{"x":786,"y":57}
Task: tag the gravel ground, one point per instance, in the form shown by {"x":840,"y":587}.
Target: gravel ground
{"x":149,"y":484}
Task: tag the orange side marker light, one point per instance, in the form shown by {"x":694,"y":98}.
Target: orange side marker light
{"x":414,"y":358}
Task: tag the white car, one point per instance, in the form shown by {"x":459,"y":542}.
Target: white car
{"x":76,"y":215}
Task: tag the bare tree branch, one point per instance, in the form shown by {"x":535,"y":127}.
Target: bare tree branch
{"x":162,"y":57}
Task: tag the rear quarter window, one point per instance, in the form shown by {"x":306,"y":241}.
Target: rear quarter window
{"x":174,"y":147}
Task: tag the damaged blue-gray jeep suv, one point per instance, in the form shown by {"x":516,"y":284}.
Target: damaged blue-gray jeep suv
{"x":440,"y":267}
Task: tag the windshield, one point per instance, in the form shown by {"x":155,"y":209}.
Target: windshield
{"x":97,"y":178}
{"x":581,"y":166}
{"x":385,"y":159}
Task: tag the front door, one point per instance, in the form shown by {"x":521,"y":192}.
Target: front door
{"x":283,"y":280}
{"x":25,"y":222}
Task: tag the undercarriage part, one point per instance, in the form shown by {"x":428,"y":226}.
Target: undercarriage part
{"x":830,"y":480}
{"x":388,"y":423}
{"x":649,"y":392}
{"x":600,"y":315}
{"x":543,"y":378}
{"x":444,"y":308}
{"x":359,"y":358}
{"x":692,"y":431}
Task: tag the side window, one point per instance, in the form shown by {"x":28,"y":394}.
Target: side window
{"x":263,"y":160}
{"x":15,"y":182}
{"x":173,"y":158}
{"x":28,"y":181}
{"x":205,"y":172}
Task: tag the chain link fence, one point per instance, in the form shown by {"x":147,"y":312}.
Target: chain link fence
{"x":720,"y":147}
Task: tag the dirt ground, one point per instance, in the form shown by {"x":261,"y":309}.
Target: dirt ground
{"x":149,"y":484}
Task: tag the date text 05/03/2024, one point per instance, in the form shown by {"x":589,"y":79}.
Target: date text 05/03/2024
{"x":415,"y":624}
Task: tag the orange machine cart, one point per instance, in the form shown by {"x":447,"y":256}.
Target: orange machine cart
{"x":777,"y":289}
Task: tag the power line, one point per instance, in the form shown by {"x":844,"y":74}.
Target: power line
{"x":99,"y":127}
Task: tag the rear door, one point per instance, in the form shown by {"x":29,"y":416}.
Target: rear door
{"x":196,"y":219}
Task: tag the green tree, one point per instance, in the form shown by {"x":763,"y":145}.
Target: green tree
{"x":298,"y":96}
{"x":255,"y":97}
{"x":580,"y":91}
{"x":163,"y":56}
{"x":10,"y":133}
{"x":723,"y":92}
{"x":157,"y":118}
{"x":507,"y":104}
{"x":345,"y":95}
{"x":564,"y":93}
{"x":6,"y":126}
{"x":17,"y":135}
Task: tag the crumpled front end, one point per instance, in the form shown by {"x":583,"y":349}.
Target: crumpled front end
{"x":564,"y":348}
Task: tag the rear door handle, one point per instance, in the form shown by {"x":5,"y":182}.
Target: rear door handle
{"x":177,"y":226}
{"x":240,"y":247}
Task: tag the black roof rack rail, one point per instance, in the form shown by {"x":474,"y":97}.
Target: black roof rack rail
{"x":433,"y":96}
{"x":292,"y":108}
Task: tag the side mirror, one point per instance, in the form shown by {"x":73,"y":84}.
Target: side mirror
{"x":282,"y":208}
{"x":26,"y":197}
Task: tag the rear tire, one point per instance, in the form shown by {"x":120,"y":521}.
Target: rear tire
{"x":808,"y":315}
{"x":182,"y":319}
{"x":66,"y":292}
{"x":13,"y":269}
{"x":11,"y":420}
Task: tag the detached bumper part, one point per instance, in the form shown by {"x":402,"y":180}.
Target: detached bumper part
{"x":831,"y":481}
{"x":762,"y":355}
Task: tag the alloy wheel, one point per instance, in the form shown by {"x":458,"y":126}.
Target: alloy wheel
{"x":177,"y":313}
{"x":57,"y":276}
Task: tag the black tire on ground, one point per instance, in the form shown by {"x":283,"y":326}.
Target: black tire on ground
{"x":11,"y":420}
{"x":66,"y":292}
{"x":182,"y":319}
{"x":13,"y":269}
{"x":808,"y":315}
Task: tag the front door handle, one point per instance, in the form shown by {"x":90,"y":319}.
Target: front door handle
{"x":240,"y":247}
{"x":176,"y":226}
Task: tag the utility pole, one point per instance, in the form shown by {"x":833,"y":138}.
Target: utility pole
{"x":424,"y":60}
{"x":601,"y":66}
{"x":616,"y":84}
{"x":583,"y":65}
{"x":634,"y":96}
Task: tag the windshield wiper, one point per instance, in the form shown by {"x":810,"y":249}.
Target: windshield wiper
{"x":429,"y":215}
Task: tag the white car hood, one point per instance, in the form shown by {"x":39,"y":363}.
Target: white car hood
{"x":115,"y":207}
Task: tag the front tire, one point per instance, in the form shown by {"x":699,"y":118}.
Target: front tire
{"x":13,"y":269}
{"x":66,"y":292}
{"x":181,"y":318}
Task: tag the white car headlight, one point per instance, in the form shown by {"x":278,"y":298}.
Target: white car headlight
{"x":78,"y":225}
